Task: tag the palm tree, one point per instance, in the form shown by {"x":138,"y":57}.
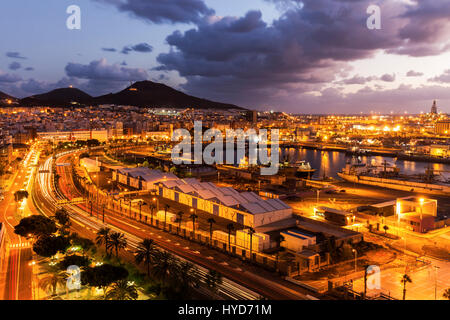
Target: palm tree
{"x":63,"y":219}
{"x":386,"y":228}
{"x":180,"y":218}
{"x":186,"y":275}
{"x":193,"y":217}
{"x":251,"y":231}
{"x":54,"y":278}
{"x":211,"y":221}
{"x":152,"y":207}
{"x":213,"y":279}
{"x":446,"y":294}
{"x":166,"y":207}
{"x":230,"y":228}
{"x":103,"y":237}
{"x":145,"y":253}
{"x":164,"y":266}
{"x":122,"y":290}
{"x":405,"y":279}
{"x":118,"y":242}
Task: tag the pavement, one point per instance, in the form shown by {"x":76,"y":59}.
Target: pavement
{"x":425,"y":281}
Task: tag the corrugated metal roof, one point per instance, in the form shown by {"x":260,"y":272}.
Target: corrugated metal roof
{"x":246,"y":201}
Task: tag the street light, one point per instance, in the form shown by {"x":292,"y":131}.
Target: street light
{"x":421,"y":200}
{"x":435,"y":282}
{"x":356,"y":254}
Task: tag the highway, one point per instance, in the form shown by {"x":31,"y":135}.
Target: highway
{"x":18,"y":274}
{"x":238,"y":284}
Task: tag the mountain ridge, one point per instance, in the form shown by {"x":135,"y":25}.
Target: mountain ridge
{"x":140,"y":94}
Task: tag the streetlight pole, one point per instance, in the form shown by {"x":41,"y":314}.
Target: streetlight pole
{"x":435,"y":282}
{"x":356,"y":254}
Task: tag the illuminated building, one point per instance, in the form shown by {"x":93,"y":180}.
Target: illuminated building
{"x":442,"y":127}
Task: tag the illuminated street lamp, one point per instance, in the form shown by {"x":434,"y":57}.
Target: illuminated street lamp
{"x":399,"y":212}
{"x":421,"y":201}
{"x":356,"y":254}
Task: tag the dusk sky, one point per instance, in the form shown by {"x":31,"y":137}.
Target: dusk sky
{"x":310,"y":56}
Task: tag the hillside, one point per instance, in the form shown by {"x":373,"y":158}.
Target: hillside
{"x":4,"y":96}
{"x":152,"y":94}
{"x":58,"y":97}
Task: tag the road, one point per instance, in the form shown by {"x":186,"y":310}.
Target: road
{"x":17,"y":275}
{"x":237,"y":278}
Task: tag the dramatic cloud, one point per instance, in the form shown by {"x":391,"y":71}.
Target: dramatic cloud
{"x":104,"y":77}
{"x":426,"y":31}
{"x":413,"y":73}
{"x":166,"y":11}
{"x":14,"y":55}
{"x":101,"y":70}
{"x":29,"y":69}
{"x":14,"y":66}
{"x":443,"y":78}
{"x":35,"y":86}
{"x":230,"y":58}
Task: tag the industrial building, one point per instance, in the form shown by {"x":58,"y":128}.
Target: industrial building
{"x":297,"y":240}
{"x":417,"y":214}
{"x":245,"y":208}
{"x":141,"y":178}
{"x":100,"y":135}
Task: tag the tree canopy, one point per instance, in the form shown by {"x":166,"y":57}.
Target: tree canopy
{"x":48,"y":246}
{"x":35,"y":225}
{"x":102,"y":276}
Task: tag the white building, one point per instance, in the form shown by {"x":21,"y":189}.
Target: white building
{"x":296,"y":240}
{"x":141,"y":178}
{"x":259,"y":241}
{"x":245,"y":208}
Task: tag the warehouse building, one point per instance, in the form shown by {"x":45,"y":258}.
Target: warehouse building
{"x":245,"y":208}
{"x":141,"y":178}
{"x":296,"y":240}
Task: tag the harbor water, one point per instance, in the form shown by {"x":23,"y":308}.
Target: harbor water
{"x":329,"y":163}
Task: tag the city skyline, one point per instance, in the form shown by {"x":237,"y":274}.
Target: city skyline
{"x":299,"y":57}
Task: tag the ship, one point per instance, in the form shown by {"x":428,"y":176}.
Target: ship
{"x":300,"y":169}
{"x":389,"y":176}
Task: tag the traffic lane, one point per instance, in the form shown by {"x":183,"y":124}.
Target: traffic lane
{"x":18,"y":276}
{"x":25,"y":275}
